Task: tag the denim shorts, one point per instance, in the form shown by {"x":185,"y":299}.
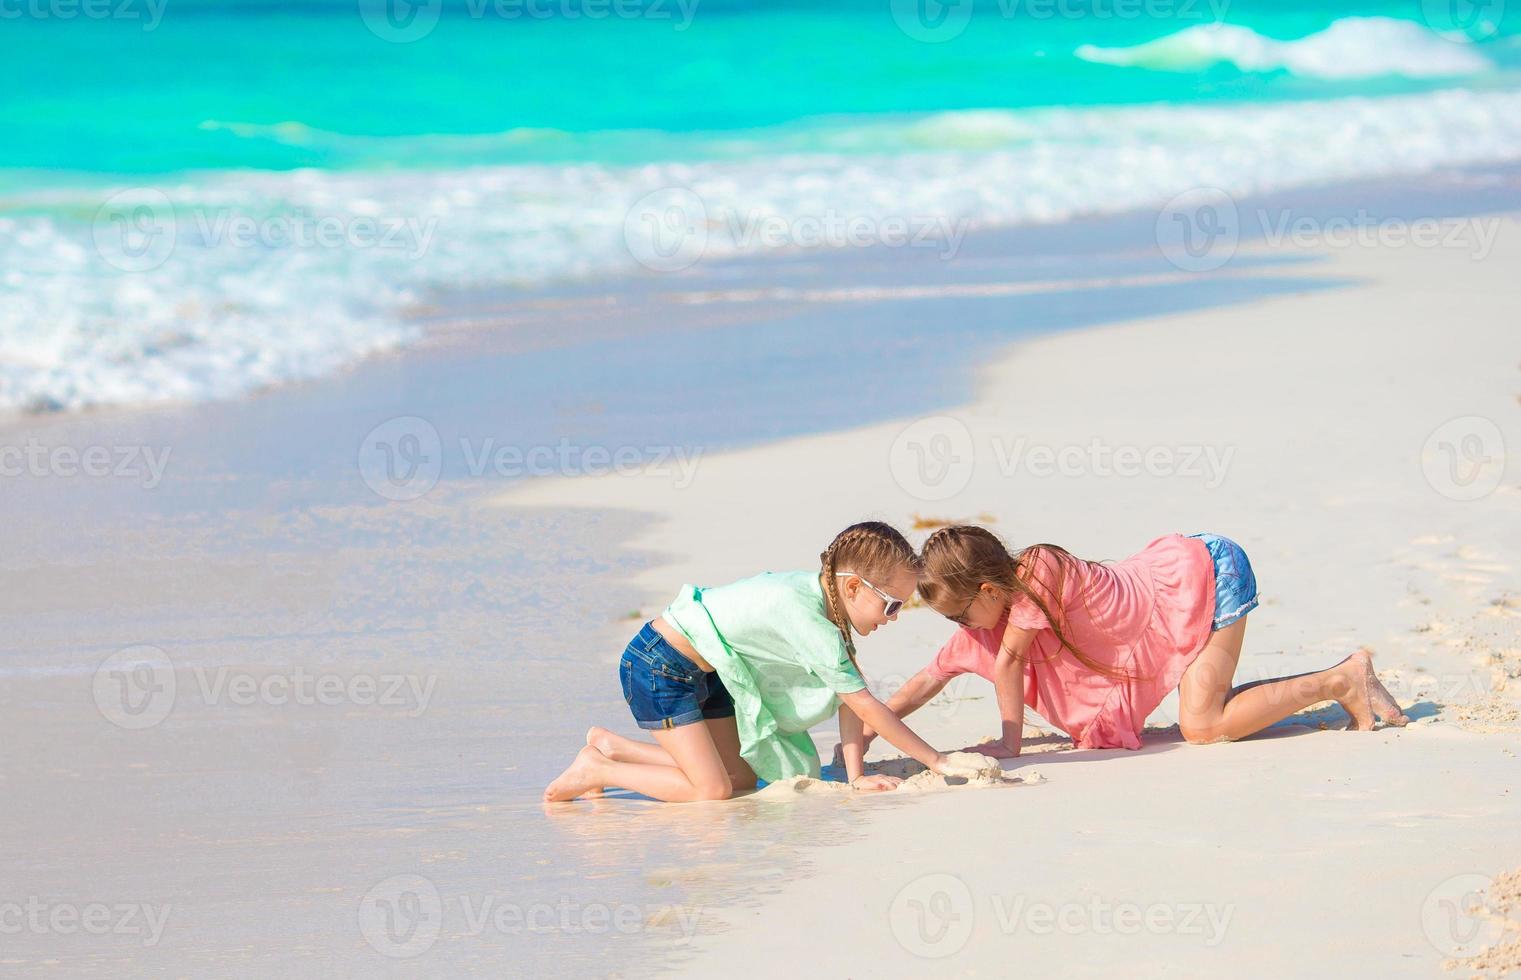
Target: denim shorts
{"x":1235,"y":582}
{"x":665,"y":689}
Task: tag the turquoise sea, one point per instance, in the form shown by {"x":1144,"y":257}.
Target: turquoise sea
{"x":198,"y":199}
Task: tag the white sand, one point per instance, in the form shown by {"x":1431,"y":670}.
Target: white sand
{"x":373,"y":835}
{"x":1323,"y":416}
{"x":967,"y":770}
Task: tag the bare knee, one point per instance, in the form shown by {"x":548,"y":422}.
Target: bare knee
{"x":1197,"y":734}
{"x":713,"y":788}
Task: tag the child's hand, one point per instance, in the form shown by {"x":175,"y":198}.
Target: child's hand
{"x":994,"y":748}
{"x":871,"y":783}
{"x":967,"y":767}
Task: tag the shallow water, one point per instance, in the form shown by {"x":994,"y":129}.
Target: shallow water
{"x":268,"y":189}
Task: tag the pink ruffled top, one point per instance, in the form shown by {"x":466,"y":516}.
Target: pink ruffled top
{"x":1149,"y":614}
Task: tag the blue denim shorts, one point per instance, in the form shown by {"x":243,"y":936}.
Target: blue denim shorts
{"x":1235,"y":582}
{"x":665,"y":689}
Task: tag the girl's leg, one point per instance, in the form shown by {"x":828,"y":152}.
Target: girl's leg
{"x":699,"y":772}
{"x":622,"y":749}
{"x":725,"y":732}
{"x":1210,"y":711}
{"x":725,"y":735}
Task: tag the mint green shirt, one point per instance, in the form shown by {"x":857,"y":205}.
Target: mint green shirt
{"x":780,"y":657}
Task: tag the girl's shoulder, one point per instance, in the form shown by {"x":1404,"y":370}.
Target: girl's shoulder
{"x":768,"y":582}
{"x":785,"y":595}
{"x":1050,"y":571}
{"x":779,"y":584}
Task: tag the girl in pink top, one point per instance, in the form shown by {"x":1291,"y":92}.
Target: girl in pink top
{"x":1094,"y":648}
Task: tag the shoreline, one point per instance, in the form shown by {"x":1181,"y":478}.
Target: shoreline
{"x":562,"y":314}
{"x":266,"y":550}
{"x":1419,"y":573}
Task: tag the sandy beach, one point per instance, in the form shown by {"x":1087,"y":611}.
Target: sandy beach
{"x":1308,"y":426}
{"x":372,"y":371}
{"x":275,"y":705}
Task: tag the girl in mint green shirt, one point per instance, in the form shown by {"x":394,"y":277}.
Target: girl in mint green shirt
{"x":730,"y":679}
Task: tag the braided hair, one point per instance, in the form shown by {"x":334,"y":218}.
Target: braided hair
{"x":873,"y":550}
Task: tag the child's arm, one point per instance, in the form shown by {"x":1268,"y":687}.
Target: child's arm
{"x":913,"y":695}
{"x":853,"y":750}
{"x":877,"y":715}
{"x":1009,"y":687}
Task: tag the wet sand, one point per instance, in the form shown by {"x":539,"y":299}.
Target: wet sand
{"x":367,"y":651}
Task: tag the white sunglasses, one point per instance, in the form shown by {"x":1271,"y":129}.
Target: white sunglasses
{"x":892,"y":603}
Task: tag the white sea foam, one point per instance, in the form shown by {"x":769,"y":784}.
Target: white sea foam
{"x":1352,"y":47}
{"x":97,"y":311}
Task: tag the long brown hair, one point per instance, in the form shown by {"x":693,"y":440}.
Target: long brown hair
{"x":874,"y":551}
{"x":957,"y":560}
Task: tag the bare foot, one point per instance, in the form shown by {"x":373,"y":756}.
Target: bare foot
{"x":603,"y":741}
{"x":1357,"y":702}
{"x":1384,"y":706}
{"x":581,"y":778}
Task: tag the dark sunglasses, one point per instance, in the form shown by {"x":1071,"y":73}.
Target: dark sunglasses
{"x":960,"y":618}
